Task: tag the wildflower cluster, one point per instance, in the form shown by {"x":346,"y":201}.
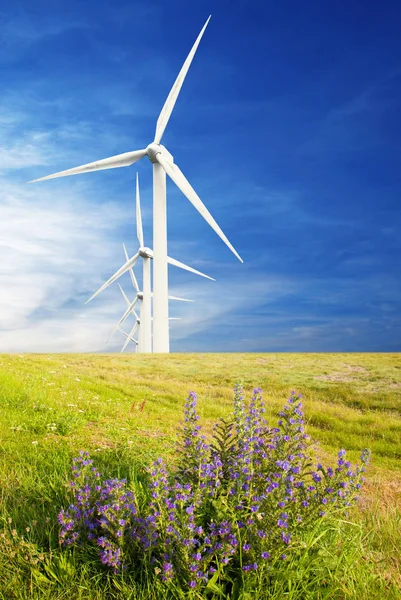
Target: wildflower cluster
{"x":103,"y":512}
{"x":228,"y":509}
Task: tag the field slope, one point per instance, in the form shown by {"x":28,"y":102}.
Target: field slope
{"x":126,"y":408}
{"x":350,"y":400}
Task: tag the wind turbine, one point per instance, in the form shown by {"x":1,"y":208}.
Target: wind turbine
{"x":129,"y":339}
{"x":137,"y":327}
{"x":144,"y":296}
{"x":163,"y":163}
{"x":141,"y":342}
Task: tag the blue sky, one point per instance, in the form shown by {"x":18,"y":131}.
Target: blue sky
{"x":288,"y":126}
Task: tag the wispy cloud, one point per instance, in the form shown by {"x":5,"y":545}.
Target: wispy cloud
{"x":52,"y":252}
{"x":24,"y":153}
{"x":353,"y":126}
{"x":20,"y":29}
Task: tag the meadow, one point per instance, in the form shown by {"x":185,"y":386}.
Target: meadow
{"x":125,"y":410}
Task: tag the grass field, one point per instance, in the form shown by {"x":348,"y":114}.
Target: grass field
{"x":125,"y":410}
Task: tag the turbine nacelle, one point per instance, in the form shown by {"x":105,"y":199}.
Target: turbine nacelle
{"x":153,"y":149}
{"x":145,"y":252}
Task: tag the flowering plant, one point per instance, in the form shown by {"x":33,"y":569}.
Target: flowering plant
{"x":232,"y":508}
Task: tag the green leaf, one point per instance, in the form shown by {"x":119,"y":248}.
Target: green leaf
{"x":216,"y":589}
{"x":212,"y":585}
{"x":40,"y":577}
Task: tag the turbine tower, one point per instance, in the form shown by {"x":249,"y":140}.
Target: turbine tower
{"x":163,"y":163}
{"x":144,"y":296}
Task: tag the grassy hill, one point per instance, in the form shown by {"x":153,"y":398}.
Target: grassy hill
{"x":125,"y":409}
{"x":350,"y":400}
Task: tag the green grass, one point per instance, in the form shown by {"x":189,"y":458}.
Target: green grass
{"x":53,"y":406}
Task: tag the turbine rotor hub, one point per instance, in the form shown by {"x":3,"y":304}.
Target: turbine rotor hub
{"x":140,"y":295}
{"x":144,"y":252}
{"x":152,"y":150}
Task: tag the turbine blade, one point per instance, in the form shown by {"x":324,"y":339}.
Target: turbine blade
{"x":124,"y":295}
{"x":130,"y":263}
{"x":111,"y":335}
{"x":126,"y":335}
{"x":139,"y":229}
{"x":120,"y":160}
{"x":181,"y":299}
{"x":175,"y":173}
{"x":177,"y":263}
{"x":125,"y":315}
{"x":131,"y":272}
{"x":129,"y":337}
{"x":131,"y":333}
{"x":176,"y":298}
{"x":175,"y":90}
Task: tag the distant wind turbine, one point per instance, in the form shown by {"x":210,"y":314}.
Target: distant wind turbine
{"x":141,"y":342}
{"x":144,"y":296}
{"x":137,"y":325}
{"x":129,"y":339}
{"x":163,"y":163}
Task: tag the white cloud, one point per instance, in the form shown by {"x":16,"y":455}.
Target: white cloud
{"x":226,"y":302}
{"x":54,"y":249}
{"x":69,"y":331}
{"x":24,"y":153}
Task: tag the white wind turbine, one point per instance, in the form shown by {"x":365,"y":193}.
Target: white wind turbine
{"x":144,"y":296}
{"x":163,"y":163}
{"x":129,"y":339}
{"x":137,"y":328}
{"x":140,"y":342}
